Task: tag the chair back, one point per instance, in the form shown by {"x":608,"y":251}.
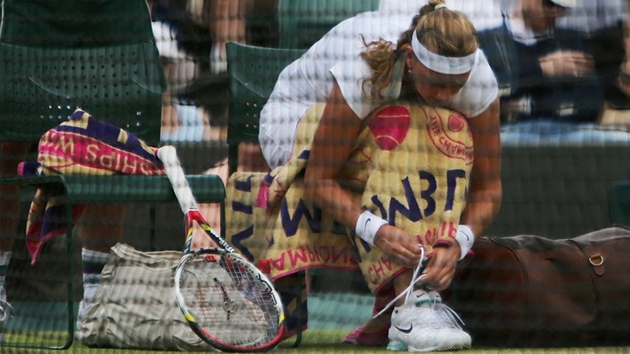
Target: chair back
{"x":96,"y":55}
{"x":302,"y":22}
{"x":252,"y":72}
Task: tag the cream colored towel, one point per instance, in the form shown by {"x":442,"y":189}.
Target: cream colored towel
{"x":411,"y":166}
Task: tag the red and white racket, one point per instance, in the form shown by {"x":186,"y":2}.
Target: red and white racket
{"x":226,"y":300}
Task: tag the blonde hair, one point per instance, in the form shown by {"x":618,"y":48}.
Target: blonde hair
{"x":442,"y":31}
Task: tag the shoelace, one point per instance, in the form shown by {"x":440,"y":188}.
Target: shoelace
{"x":435,"y":319}
{"x":407,"y":292}
{"x":446,"y":315}
{"x":449,"y":317}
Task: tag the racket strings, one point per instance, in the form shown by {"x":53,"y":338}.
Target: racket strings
{"x":228,"y":302}
{"x":200,"y":298}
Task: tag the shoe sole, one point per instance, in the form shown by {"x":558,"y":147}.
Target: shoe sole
{"x":399,"y":347}
{"x":447,"y":349}
{"x":396,"y":346}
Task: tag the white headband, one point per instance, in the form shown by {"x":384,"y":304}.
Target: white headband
{"x":440,"y":6}
{"x":440,"y":63}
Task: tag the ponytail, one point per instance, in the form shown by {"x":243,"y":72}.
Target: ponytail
{"x":443,"y":31}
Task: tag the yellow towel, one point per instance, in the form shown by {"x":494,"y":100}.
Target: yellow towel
{"x":411,"y":166}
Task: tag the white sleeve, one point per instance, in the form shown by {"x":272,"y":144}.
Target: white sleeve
{"x":350,"y":76}
{"x":478,"y":93}
{"x":349,"y":69}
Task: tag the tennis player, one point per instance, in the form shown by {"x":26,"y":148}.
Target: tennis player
{"x":361,"y":64}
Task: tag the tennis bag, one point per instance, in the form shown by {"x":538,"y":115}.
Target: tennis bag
{"x":135,"y":307}
{"x":530,"y":291}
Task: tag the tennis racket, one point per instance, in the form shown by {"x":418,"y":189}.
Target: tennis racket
{"x":226,"y":300}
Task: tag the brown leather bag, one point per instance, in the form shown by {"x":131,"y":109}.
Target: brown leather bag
{"x":530,"y":291}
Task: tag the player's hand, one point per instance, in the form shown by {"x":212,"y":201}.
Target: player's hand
{"x":567,"y":63}
{"x":441,"y":267}
{"x":200,"y":239}
{"x":401,"y":246}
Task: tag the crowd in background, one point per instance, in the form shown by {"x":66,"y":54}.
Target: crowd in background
{"x":538,"y":90}
{"x":562,"y":80}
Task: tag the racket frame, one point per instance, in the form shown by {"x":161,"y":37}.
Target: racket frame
{"x":167,"y":154}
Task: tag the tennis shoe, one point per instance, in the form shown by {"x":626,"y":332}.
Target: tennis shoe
{"x":379,"y":327}
{"x":360,"y":337}
{"x":425,"y":324}
{"x":6,"y":312}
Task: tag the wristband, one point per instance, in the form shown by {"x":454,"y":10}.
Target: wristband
{"x":367,"y":226}
{"x":465,"y":238}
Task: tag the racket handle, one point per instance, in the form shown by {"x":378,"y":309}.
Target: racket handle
{"x":175,"y":173}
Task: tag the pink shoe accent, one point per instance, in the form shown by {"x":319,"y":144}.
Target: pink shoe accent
{"x":379,"y":338}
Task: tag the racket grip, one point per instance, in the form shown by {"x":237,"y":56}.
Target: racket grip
{"x":175,"y":173}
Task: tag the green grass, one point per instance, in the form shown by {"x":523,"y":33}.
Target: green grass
{"x":331,"y":317}
{"x":327,"y":341}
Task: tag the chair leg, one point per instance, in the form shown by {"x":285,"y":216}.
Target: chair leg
{"x":299,"y":290}
{"x":70,"y":269}
{"x":292,"y":289}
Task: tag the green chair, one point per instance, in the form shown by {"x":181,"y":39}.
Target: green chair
{"x":302,"y":22}
{"x":100,"y":56}
{"x":620,"y":203}
{"x":252,"y":73}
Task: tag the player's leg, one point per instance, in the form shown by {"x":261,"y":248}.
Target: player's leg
{"x":100,"y":227}
{"x":374,"y":333}
{"x":11,"y":154}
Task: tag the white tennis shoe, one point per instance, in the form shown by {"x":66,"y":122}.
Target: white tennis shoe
{"x":425,"y":324}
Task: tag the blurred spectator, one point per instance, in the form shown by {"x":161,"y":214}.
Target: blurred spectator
{"x":226,"y":21}
{"x":603,"y":23}
{"x":184,"y":42}
{"x":184,"y":51}
{"x":550,"y":91}
{"x":483,"y":14}
{"x":624,"y":74}
{"x":191,"y":36}
{"x":618,"y":105}
{"x":591,"y":16}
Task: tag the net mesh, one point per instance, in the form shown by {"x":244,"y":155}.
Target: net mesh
{"x":228,"y":302}
{"x":552,"y":187}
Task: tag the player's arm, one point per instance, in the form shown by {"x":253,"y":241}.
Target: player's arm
{"x":484,"y":196}
{"x":333,"y":142}
{"x":485,"y":190}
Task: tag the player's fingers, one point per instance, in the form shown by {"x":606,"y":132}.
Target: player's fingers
{"x":413,"y":252}
{"x":407,"y":259}
{"x":439,"y":273}
{"x":390,"y":249}
{"x":404,"y":257}
{"x":584,"y":63}
{"x":441,"y":284}
{"x":436,"y":281}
